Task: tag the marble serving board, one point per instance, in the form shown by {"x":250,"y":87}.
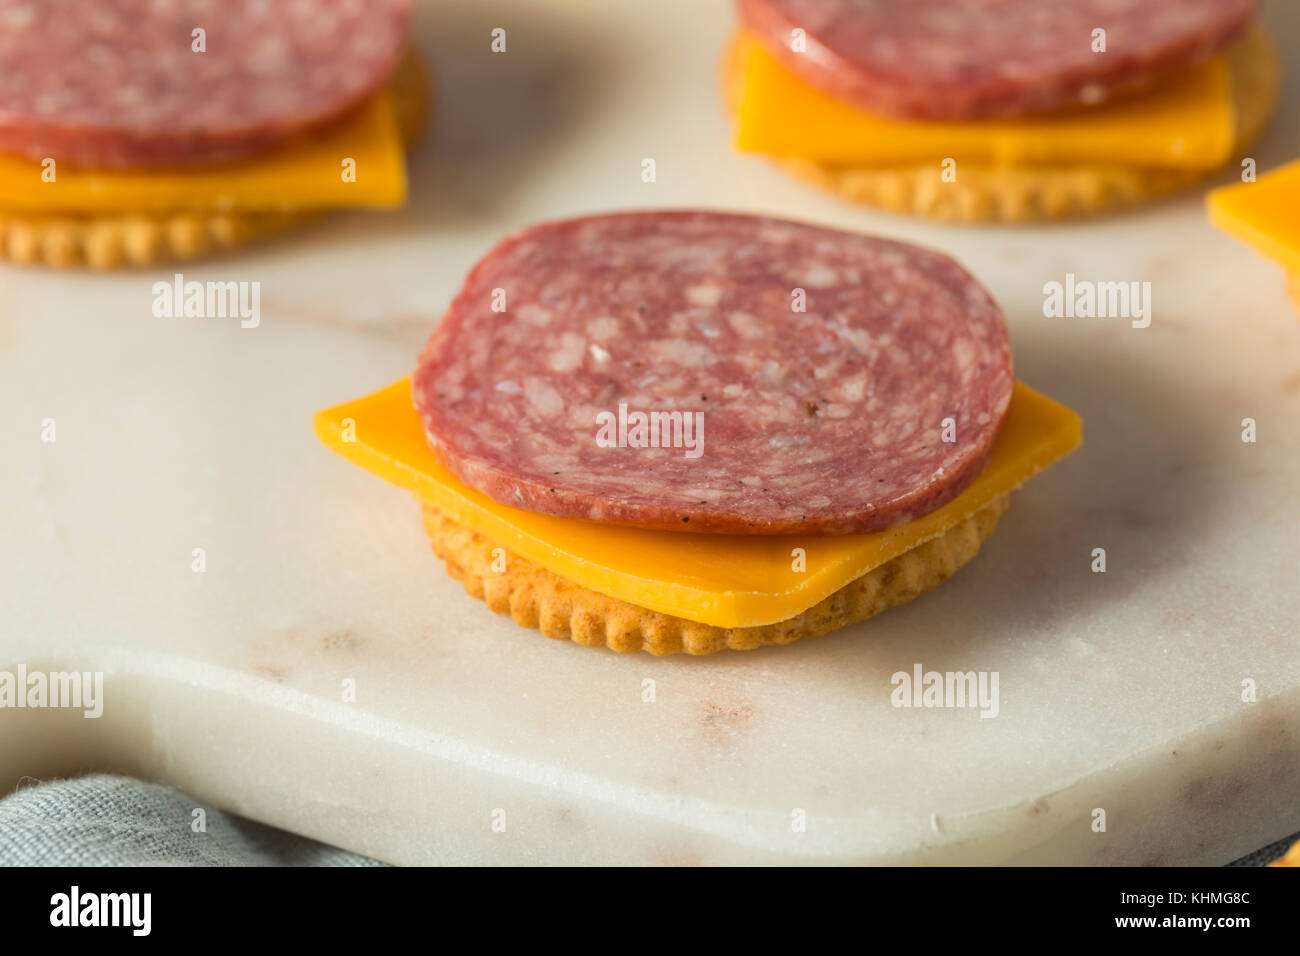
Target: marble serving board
{"x":471,"y":740}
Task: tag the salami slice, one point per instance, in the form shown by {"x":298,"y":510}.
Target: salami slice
{"x":119,"y":83}
{"x":823,"y":381}
{"x":961,"y":59}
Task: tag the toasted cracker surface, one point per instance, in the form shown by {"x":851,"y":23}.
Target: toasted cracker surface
{"x":563,"y":610}
{"x":984,"y":193}
{"x":116,"y":240}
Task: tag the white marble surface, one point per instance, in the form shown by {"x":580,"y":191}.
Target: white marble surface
{"x":1119,"y":691}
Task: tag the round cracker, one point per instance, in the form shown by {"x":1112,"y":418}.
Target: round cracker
{"x":563,"y":610}
{"x":116,"y":240}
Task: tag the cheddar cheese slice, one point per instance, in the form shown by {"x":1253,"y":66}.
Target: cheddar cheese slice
{"x":1264,"y":214}
{"x":304,"y":174}
{"x":1189,"y":122}
{"x":723,"y":580}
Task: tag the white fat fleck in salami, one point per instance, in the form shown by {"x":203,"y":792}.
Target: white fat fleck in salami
{"x":118,"y":83}
{"x":829,"y":420}
{"x":961,"y":59}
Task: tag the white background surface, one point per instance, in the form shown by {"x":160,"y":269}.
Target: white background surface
{"x":1119,"y":691}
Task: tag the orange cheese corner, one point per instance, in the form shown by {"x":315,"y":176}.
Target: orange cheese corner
{"x":1187,"y":123}
{"x":1292,"y":857}
{"x":723,"y":580}
{"x":1264,"y":214}
{"x":304,"y":174}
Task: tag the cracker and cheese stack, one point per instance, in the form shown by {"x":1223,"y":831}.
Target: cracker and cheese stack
{"x":1000,"y":110}
{"x":132,"y":132}
{"x":627,"y":433}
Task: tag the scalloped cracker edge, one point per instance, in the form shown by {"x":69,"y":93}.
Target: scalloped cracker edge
{"x":563,"y":610}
